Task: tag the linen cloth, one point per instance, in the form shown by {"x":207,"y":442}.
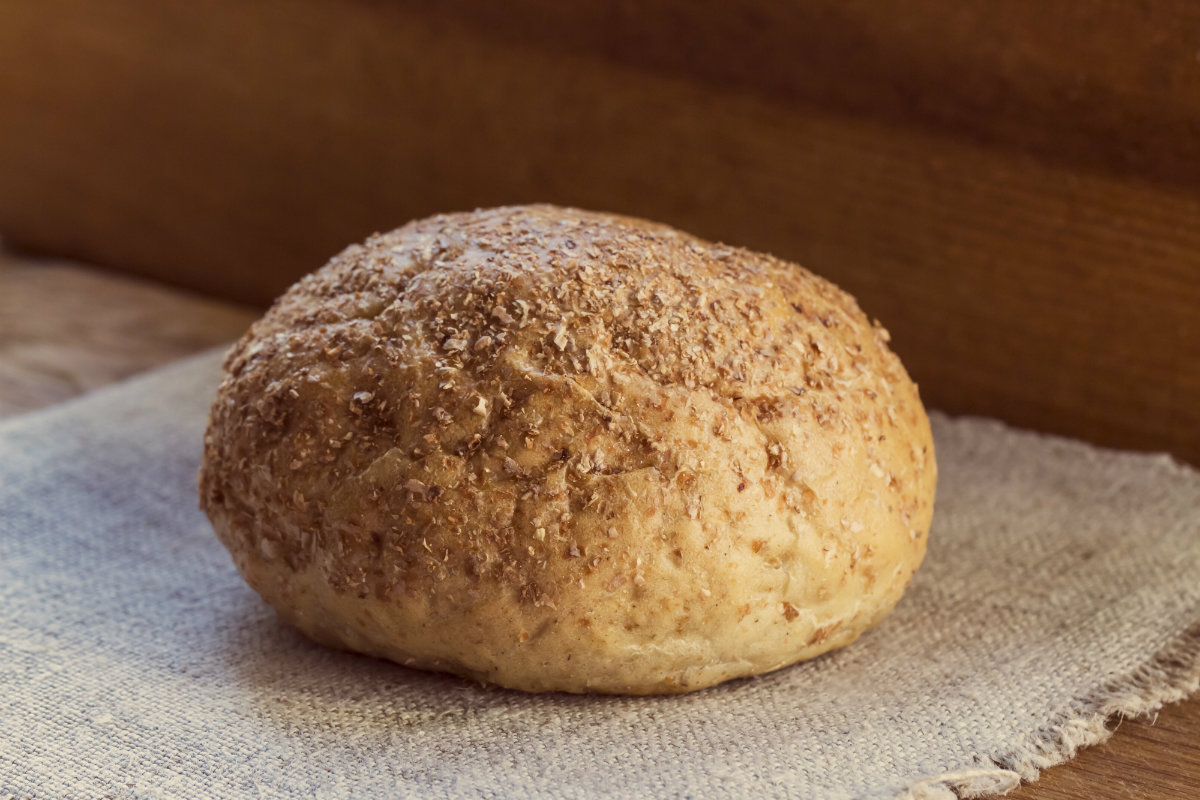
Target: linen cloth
{"x":1062,"y":585}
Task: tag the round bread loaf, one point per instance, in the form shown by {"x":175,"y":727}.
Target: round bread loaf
{"x":559,"y":450}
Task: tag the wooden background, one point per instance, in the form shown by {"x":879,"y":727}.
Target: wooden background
{"x":1012,"y":187}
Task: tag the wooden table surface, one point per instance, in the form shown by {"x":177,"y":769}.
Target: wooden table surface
{"x":66,"y":329}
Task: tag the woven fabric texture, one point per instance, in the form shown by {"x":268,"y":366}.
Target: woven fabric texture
{"x":1062,"y":586}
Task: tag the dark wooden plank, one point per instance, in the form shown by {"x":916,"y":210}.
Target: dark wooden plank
{"x":1103,"y":85}
{"x":234,"y":146}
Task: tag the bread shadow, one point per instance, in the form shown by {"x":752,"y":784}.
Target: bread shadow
{"x":298,"y":684}
{"x":355,"y":713}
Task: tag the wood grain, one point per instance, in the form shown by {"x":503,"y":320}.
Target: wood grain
{"x":67,"y":329}
{"x":1103,"y":85}
{"x":234,"y":146}
{"x":1157,"y":758}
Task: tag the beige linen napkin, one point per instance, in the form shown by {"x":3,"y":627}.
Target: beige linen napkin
{"x":1062,"y":586}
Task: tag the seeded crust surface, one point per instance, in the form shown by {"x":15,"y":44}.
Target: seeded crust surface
{"x":553,"y":449}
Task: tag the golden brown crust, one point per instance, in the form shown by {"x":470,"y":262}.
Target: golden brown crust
{"x":554,"y":449}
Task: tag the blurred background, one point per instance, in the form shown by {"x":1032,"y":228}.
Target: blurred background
{"x":1012,"y":187}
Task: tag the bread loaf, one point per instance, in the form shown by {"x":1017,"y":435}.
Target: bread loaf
{"x":559,"y":450}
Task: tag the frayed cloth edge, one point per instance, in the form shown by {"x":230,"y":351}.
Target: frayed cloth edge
{"x":1169,"y":677}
